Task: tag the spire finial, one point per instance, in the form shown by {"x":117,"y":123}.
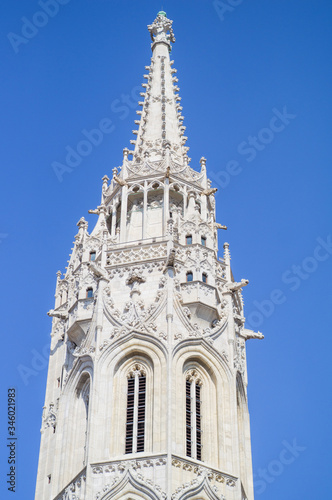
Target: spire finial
{"x":161,"y":29}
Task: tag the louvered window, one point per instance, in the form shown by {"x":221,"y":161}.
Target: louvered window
{"x":193,"y":418}
{"x":188,"y":419}
{"x":198,"y":422}
{"x":135,"y":425}
{"x":130,"y":415}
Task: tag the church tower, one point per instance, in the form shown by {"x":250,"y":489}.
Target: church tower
{"x":147,"y":385}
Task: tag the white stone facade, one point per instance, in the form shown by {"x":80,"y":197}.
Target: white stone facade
{"x":145,"y":295}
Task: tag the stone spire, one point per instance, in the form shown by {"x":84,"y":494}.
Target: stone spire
{"x":160,"y":128}
{"x":147,"y":384}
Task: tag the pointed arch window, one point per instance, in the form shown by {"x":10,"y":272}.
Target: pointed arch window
{"x":203,"y":241}
{"x":189,"y":239}
{"x":136,"y":397}
{"x":89,"y":293}
{"x":204,"y":278}
{"x":92,"y":256}
{"x":81,"y":419}
{"x":193,"y":415}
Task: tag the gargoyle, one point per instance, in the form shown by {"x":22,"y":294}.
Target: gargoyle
{"x":209,"y":191}
{"x":54,"y":314}
{"x":135,"y":278}
{"x":121,"y":182}
{"x":250,"y":334}
{"x":97,"y":271}
{"x":219,"y":226}
{"x":235,"y":286}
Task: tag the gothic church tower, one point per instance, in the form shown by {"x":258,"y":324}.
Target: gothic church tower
{"x":146,"y":394}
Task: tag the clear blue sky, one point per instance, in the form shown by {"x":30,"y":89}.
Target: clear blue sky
{"x":239,"y":69}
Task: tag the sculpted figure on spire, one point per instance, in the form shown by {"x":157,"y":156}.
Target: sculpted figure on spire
{"x":161,"y":29}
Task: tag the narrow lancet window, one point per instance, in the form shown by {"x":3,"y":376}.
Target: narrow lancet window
{"x":193,"y":416}
{"x":198,"y":422}
{"x":188,"y":420}
{"x":141,"y":413}
{"x":189,"y":239}
{"x":135,"y":424}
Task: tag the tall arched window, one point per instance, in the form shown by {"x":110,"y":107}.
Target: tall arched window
{"x":136,"y":396}
{"x":81,"y":419}
{"x":193,"y":415}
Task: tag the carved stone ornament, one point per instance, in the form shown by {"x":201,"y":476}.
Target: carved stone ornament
{"x":235,"y":286}
{"x":161,"y":29}
{"x":137,"y":369}
{"x":240,"y":356}
{"x":128,"y":475}
{"x":75,"y":490}
{"x":135,"y":276}
{"x":132,"y":255}
{"x":50,"y":417}
{"x":83,"y":350}
{"x":196,"y":486}
{"x":194,"y":376}
{"x":135,"y":316}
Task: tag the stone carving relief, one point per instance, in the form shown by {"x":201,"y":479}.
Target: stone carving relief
{"x":93,"y":243}
{"x":117,"y":258}
{"x":135,"y":316}
{"x":240,"y":356}
{"x":122,"y":466}
{"x":50,"y":416}
{"x":193,"y":487}
{"x":83,"y":350}
{"x":58,"y":329}
{"x":203,"y":474}
{"x":136,"y":369}
{"x":75,"y":490}
{"x":118,"y":474}
{"x":194,"y":376}
{"x":177,"y":163}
